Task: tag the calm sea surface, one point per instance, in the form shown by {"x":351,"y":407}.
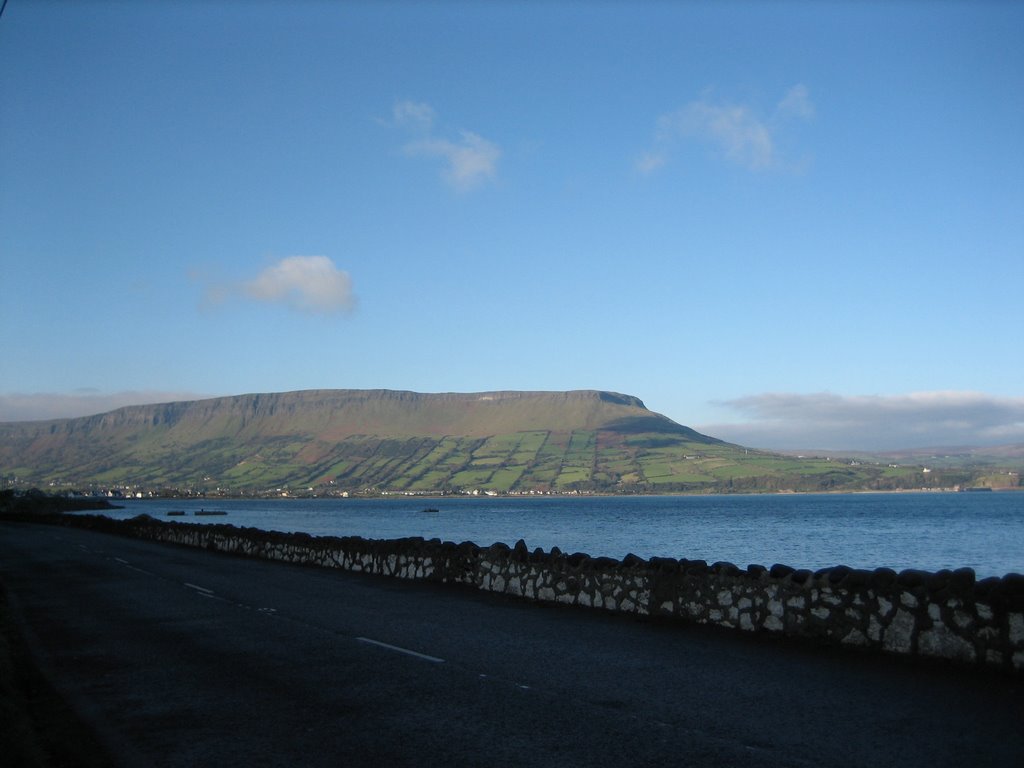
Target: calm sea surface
{"x":984,"y":531}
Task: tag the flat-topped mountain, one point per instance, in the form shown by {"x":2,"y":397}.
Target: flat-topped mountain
{"x":333,"y":415}
{"x":353,"y":438}
{"x":377,"y":440}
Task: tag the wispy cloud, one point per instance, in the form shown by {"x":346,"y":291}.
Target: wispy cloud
{"x":796,"y":103}
{"x":44,"y":406}
{"x":469,"y":159}
{"x":469,"y":162}
{"x":873,"y":422}
{"x":649,"y":162}
{"x":744,"y":137}
{"x":412,"y":114}
{"x":304,"y":283}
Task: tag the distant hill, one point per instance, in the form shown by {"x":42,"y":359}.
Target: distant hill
{"x":963,"y":455}
{"x":384,"y":440}
{"x":996,"y":466}
{"x":954,"y":456}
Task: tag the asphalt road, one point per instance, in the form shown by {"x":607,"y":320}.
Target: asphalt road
{"x":182,"y":657}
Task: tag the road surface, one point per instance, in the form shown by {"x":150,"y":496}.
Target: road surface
{"x":181,"y":657}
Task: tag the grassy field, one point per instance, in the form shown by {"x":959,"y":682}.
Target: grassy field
{"x":590,"y":460}
{"x":533,"y":460}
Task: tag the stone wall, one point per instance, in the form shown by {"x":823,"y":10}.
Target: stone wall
{"x":944,"y":615}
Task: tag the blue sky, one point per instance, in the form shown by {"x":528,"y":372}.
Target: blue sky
{"x":788,"y":224}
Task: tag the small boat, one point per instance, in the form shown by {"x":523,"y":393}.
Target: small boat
{"x":430,"y":510}
{"x":204,"y":512}
{"x":176,"y":513}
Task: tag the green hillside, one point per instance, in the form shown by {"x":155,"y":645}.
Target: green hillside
{"x":381,"y":440}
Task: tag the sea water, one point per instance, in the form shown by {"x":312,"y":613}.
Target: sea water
{"x":930,"y":531}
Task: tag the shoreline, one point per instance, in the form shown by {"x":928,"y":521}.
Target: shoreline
{"x":306,"y":496}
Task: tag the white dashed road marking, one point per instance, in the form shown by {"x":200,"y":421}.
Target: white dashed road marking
{"x":396,"y":648}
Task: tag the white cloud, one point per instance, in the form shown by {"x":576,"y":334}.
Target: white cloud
{"x":85,"y":402}
{"x":873,"y":422}
{"x":470,"y":162}
{"x":744,"y":139}
{"x":649,"y":162}
{"x":796,"y":103}
{"x":304,"y":283}
{"x":735,"y":130}
{"x":413,"y":114}
{"x":469,"y":159}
